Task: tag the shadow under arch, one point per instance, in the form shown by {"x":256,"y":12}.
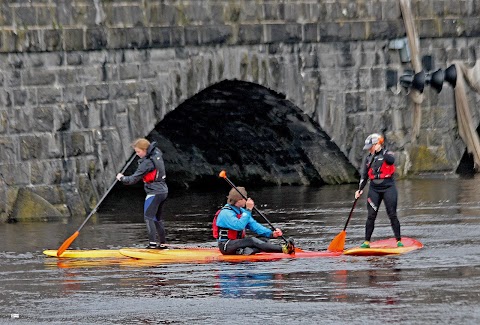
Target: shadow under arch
{"x":253,"y":133}
{"x":466,"y":166}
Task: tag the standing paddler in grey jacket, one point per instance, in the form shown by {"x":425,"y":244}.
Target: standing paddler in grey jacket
{"x":151,"y":170}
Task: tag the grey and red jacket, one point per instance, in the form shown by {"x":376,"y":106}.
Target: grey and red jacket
{"x":151,"y":170}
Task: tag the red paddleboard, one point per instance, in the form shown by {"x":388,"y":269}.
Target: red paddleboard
{"x":386,"y":247}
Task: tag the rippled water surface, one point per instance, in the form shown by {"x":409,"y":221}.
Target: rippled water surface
{"x":439,"y":284}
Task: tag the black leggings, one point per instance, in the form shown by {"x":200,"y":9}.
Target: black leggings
{"x":152,"y":210}
{"x":375,"y":197}
{"x":256,"y":245}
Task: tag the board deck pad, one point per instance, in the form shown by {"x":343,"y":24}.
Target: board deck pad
{"x":386,"y":247}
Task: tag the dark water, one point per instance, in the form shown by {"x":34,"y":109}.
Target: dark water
{"x":439,"y":284}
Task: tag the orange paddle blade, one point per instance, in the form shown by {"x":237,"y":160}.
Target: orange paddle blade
{"x":338,"y":243}
{"x":67,"y":243}
{"x":223,"y":174}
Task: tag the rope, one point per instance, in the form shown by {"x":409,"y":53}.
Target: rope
{"x":413,"y":43}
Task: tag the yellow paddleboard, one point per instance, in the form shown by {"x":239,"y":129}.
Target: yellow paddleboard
{"x":171,"y":255}
{"x":94,"y":253}
{"x":201,"y":255}
{"x":386,"y":247}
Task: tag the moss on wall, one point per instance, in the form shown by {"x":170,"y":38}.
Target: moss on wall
{"x":30,"y":206}
{"x":425,"y":159}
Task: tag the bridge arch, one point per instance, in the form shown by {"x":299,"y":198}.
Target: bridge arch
{"x":254,"y":133}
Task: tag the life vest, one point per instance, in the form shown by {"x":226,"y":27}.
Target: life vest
{"x":150,"y":176}
{"x":231,"y":234}
{"x":379,"y":169}
{"x":158,"y":164}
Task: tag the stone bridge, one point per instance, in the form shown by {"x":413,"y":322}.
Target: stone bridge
{"x":275,"y":92}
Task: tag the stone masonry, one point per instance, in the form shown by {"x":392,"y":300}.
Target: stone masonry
{"x":81,"y":78}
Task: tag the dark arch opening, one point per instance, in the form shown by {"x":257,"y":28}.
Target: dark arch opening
{"x":466,"y":167}
{"x":253,"y":133}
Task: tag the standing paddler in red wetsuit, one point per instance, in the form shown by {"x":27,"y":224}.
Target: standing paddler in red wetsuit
{"x":379,"y":168}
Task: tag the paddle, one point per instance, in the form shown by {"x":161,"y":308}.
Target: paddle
{"x":338,"y":243}
{"x":223,"y":174}
{"x":70,"y":239}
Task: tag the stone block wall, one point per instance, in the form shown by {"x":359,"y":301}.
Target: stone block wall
{"x":81,"y":78}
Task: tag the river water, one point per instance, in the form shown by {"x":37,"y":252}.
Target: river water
{"x":439,"y":284}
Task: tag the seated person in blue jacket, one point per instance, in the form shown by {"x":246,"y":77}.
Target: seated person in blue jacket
{"x":234,"y":218}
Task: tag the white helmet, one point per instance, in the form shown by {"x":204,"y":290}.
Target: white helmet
{"x":372,"y":140}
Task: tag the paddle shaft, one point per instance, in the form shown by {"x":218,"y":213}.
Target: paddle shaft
{"x":356,"y":199}
{"x":350,"y":215}
{"x":254,"y":207}
{"x":107,"y":192}
{"x":70,"y":239}
{"x":338,"y":243}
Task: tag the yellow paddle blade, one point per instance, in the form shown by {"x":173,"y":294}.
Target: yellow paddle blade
{"x":67,"y":243}
{"x":338,"y":243}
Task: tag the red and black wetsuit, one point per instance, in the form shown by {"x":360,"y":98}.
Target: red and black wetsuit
{"x":379,"y":169}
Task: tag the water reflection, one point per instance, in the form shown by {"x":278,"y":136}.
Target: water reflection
{"x":245,"y":285}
